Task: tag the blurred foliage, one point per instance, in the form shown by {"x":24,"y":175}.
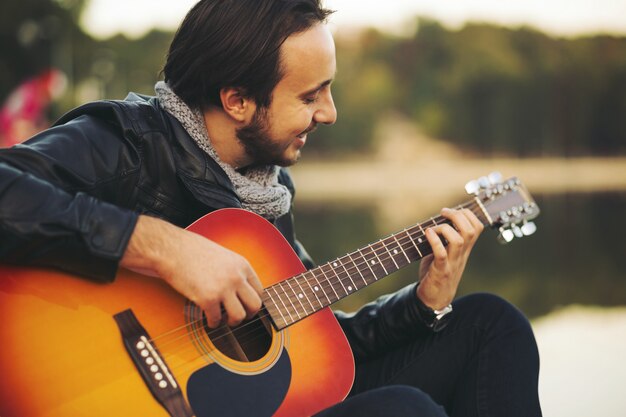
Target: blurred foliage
{"x":484,"y":88}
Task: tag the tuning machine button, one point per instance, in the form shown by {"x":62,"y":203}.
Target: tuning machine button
{"x":529,"y":228}
{"x":472,"y":187}
{"x":505,"y":236}
{"x":495,"y":178}
{"x":517,"y":231}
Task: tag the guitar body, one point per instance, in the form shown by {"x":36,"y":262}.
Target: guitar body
{"x":61,"y":350}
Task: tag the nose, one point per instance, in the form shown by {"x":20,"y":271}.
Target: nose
{"x":326,"y":113}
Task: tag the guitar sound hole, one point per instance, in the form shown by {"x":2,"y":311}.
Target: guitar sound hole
{"x":248,"y":342}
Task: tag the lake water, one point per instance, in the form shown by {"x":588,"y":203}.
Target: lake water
{"x":569,"y":278}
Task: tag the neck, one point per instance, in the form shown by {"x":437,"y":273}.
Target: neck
{"x":298,"y":297}
{"x":222,"y":131}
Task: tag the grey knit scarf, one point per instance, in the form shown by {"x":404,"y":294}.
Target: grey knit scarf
{"x":258,"y":190}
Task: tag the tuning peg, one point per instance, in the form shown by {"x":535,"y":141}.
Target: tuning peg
{"x":472,"y":187}
{"x":483,"y":182}
{"x":529,"y":228}
{"x":495,"y":178}
{"x":505,"y":235}
{"x":517,"y":231}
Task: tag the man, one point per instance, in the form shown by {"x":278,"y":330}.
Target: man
{"x":245,"y":82}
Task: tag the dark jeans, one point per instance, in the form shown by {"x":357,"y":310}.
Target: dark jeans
{"x":484,"y":363}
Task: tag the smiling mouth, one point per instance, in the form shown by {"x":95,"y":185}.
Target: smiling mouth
{"x":307,"y":131}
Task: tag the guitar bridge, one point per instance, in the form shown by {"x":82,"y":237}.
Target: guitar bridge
{"x":151,"y":365}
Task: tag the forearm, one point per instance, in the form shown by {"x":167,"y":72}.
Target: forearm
{"x":151,"y":247}
{"x":41,"y":224}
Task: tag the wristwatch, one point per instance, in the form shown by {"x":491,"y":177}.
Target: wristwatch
{"x":434,"y":319}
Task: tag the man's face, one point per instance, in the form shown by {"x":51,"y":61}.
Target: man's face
{"x":300,"y":101}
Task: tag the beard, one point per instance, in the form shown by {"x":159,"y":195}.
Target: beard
{"x":261,"y":147}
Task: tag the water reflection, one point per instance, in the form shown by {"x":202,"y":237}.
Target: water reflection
{"x":578,"y":255}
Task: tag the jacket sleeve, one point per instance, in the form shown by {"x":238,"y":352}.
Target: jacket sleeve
{"x":383,"y":324}
{"x":51,"y":211}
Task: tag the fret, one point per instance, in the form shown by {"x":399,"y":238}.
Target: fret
{"x":302,"y":295}
{"x":372,"y":263}
{"x":423,"y":243}
{"x":336,"y":263}
{"x":415,"y":245}
{"x":367,"y":263}
{"x":329,"y":281}
{"x":272,"y":307}
{"x":353,"y":287}
{"x":408,"y":261}
{"x":390,"y":254}
{"x":295,"y":309}
{"x":377,"y":257}
{"x":320,"y":287}
{"x":314,"y":289}
{"x":423,"y":233}
{"x":284,"y":306}
{"x":357,"y":269}
{"x":296,"y":296}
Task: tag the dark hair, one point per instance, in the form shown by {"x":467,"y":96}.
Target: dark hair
{"x":235,"y":43}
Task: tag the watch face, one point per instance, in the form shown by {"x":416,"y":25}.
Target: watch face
{"x":441,"y":322}
{"x":439,"y":314}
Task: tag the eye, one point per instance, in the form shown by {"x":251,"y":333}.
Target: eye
{"x":311,"y":99}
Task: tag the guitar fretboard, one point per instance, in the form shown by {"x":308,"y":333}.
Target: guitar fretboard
{"x":295,"y":298}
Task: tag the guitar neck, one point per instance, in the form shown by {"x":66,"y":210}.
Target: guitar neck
{"x":293,"y":299}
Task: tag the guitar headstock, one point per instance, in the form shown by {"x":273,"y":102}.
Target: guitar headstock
{"x":507,"y":205}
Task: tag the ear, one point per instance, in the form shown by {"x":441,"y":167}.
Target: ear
{"x":236,"y":105}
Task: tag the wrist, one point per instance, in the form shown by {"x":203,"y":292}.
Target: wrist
{"x":433,"y":318}
{"x":146,"y":249}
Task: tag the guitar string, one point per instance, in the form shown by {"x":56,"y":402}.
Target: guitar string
{"x":327,"y":281}
{"x":406,"y":240}
{"x":241,"y":337}
{"x":402,"y":242}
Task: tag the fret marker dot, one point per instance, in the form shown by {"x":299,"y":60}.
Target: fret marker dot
{"x":317,"y":288}
{"x":395,"y":251}
{"x":300,"y":295}
{"x":419,"y":240}
{"x":349,"y":288}
{"x":373,"y":262}
{"x":334,"y":263}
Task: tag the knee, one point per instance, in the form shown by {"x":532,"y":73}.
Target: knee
{"x":498,"y":317}
{"x":490,"y":308}
{"x":404,"y":400}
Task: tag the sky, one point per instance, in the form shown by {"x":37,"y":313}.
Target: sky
{"x":103,"y":18}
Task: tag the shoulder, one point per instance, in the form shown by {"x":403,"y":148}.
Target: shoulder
{"x":137,"y":114}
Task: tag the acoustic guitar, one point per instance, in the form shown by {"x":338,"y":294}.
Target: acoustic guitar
{"x":70,"y":347}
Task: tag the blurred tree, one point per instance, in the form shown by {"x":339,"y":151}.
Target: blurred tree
{"x":486,"y":88}
{"x":33,"y":34}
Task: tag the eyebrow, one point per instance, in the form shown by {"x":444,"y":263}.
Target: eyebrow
{"x":316,"y":89}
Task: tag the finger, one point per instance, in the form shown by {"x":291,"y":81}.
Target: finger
{"x":454,"y":238}
{"x":474,"y":220}
{"x":460,"y":221}
{"x":254,"y":281}
{"x":235,"y":313}
{"x":213,"y":313}
{"x":250,"y":300}
{"x":439,"y":251}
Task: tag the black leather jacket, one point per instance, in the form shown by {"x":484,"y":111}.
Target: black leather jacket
{"x":70,"y":197}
